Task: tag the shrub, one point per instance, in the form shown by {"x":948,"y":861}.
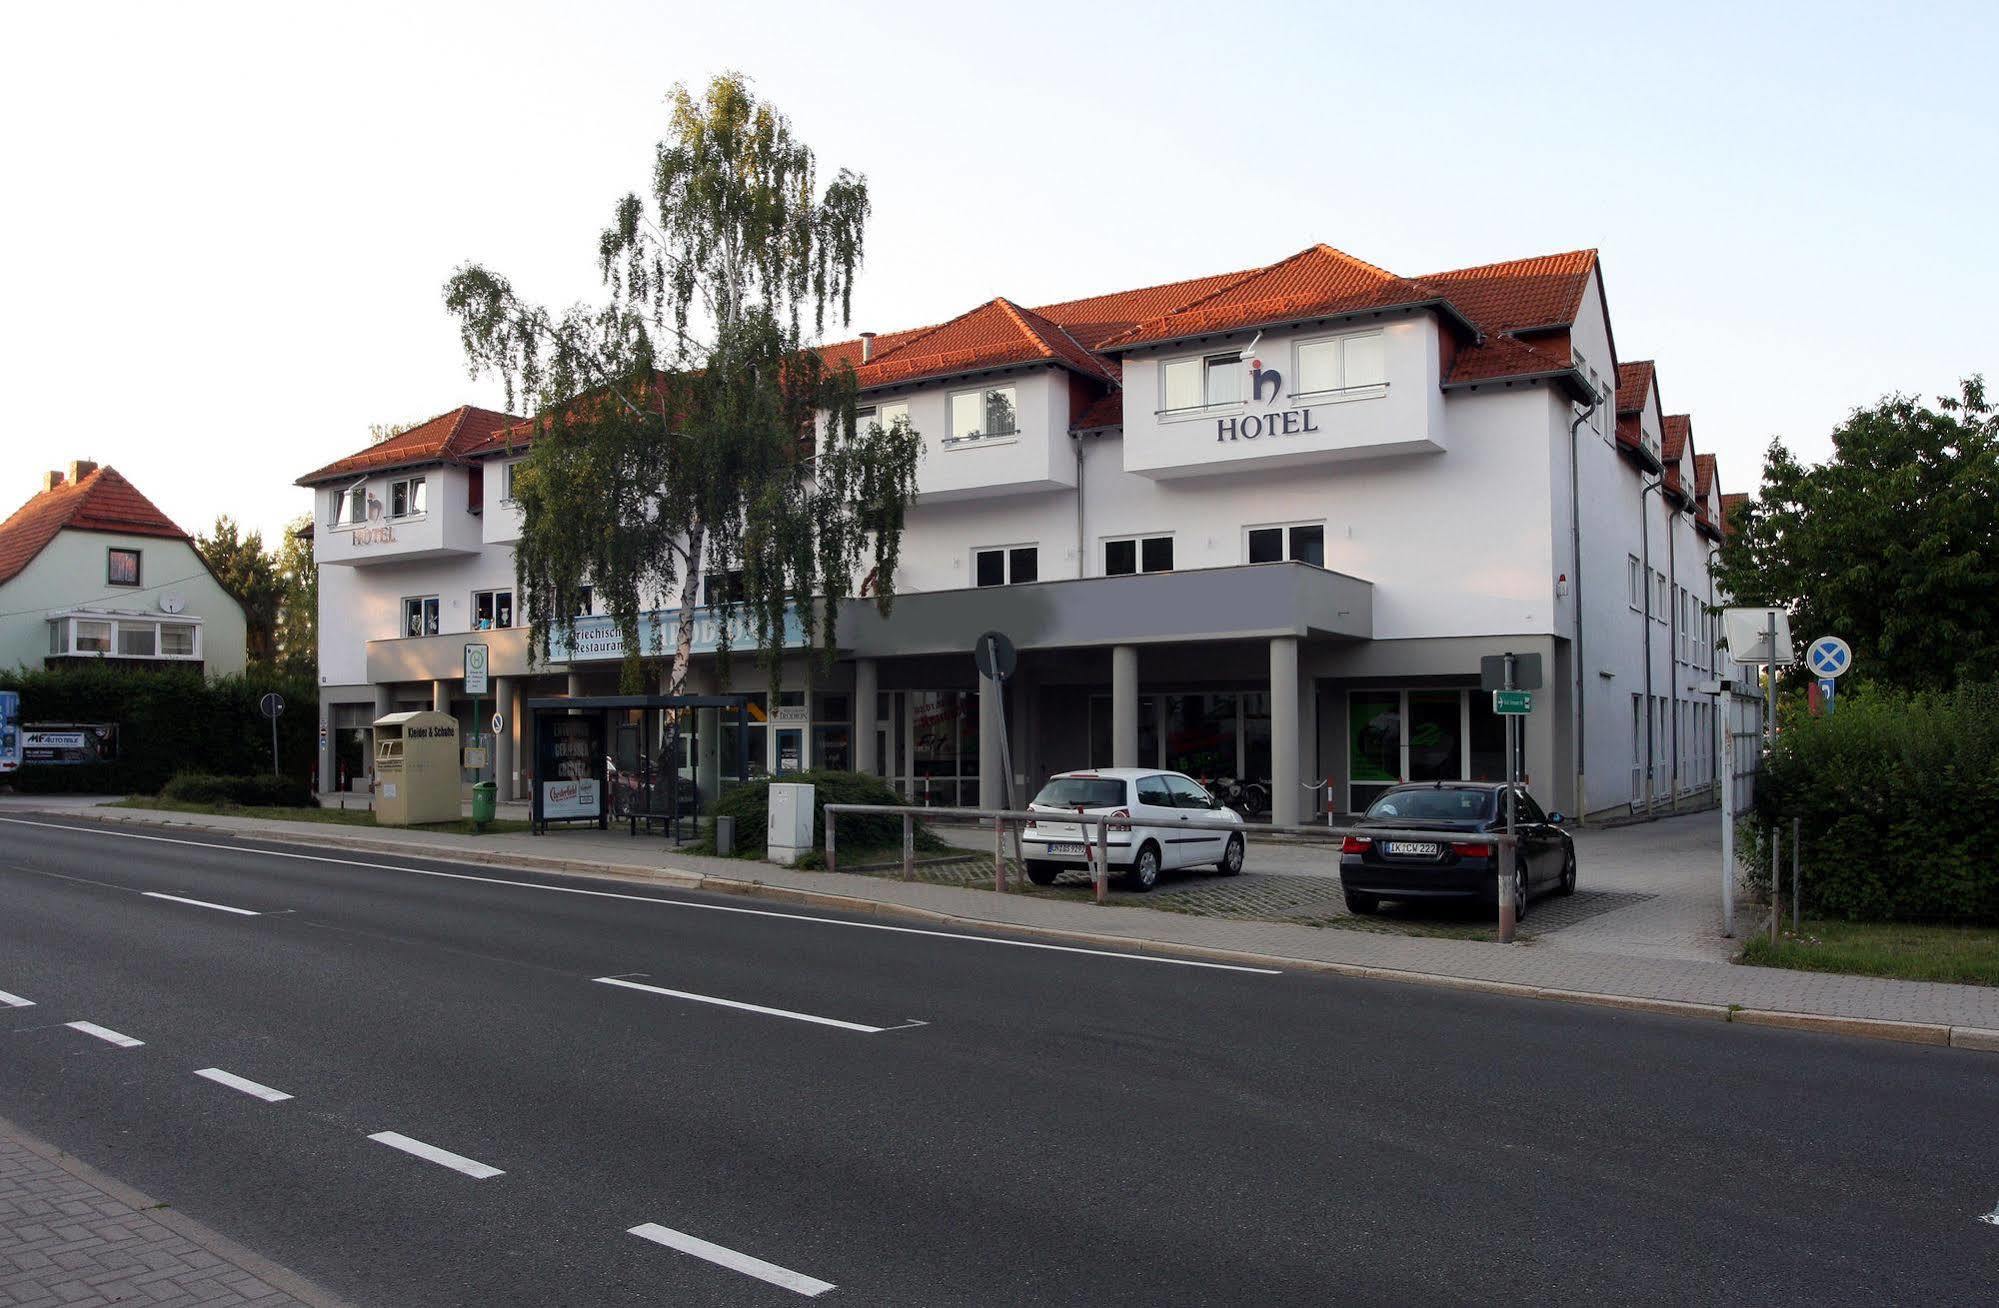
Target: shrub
{"x":749,"y":804}
{"x":169,"y":720}
{"x":262,"y":791}
{"x":1898,"y":802}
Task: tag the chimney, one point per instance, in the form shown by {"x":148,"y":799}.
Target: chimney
{"x":867,"y":346}
{"x":79,"y":469}
{"x":51,"y":480}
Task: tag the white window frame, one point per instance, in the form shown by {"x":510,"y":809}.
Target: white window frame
{"x":350,"y":505}
{"x":887,"y":413}
{"x":1634,"y":570}
{"x":981,"y":438}
{"x":513,"y":614}
{"x":410,"y":486}
{"x":403,"y":613}
{"x":63,"y":628}
{"x":1138,"y":540}
{"x":1006,"y":563}
{"x":1345,"y":390}
{"x":507,"y":480}
{"x":1205,"y":362}
{"x":1290,"y":555}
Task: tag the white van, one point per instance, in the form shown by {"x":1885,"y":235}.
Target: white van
{"x":1146,"y":838}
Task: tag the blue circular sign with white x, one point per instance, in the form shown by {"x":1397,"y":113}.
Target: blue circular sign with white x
{"x":1829,"y":657}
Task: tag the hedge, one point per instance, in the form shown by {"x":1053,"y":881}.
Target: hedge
{"x":259,"y":791}
{"x":169,"y":720}
{"x":1897,"y":798}
{"x":749,"y":804}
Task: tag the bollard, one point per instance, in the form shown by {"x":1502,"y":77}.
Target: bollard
{"x":1509,"y":869}
{"x":999,"y":855}
{"x":1776,"y":881}
{"x":832,"y":859}
{"x":1796,"y":825}
{"x":1103,"y":856}
{"x":908,"y":847}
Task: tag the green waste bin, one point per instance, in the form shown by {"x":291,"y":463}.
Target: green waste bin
{"x":485,"y":795}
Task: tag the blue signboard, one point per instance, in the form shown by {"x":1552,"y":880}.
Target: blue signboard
{"x":10,"y":730}
{"x":595,"y":636}
{"x":1828,"y":688}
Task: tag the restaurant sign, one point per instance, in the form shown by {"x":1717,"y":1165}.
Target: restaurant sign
{"x":596,"y":637}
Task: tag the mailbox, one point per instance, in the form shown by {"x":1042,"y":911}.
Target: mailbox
{"x":416,"y":769}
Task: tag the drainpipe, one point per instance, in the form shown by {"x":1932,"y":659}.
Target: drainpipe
{"x":1673,"y":646}
{"x":1576,"y":585}
{"x":1645,"y":538}
{"x":1714,"y":670}
{"x":1082,"y":560}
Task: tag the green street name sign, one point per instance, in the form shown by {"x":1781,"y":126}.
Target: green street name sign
{"x":1513,"y":701}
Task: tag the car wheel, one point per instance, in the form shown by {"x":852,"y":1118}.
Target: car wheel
{"x":1519,"y":898}
{"x":1363,"y":904}
{"x":1144,"y":874}
{"x":1231,"y":864}
{"x":1568,"y":883}
{"x":1043,"y":874}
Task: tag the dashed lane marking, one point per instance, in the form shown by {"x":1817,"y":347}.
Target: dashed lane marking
{"x":14,"y":1001}
{"x":747,"y":1008}
{"x":201,"y":903}
{"x":105,"y":1034}
{"x":796,"y":1282}
{"x":247,"y":1086}
{"x":472,"y":1167}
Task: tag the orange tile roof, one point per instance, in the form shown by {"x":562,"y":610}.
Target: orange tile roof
{"x":444,"y":439}
{"x":997,"y":334}
{"x":102,"y":501}
{"x":1104,"y":411}
{"x":1679,"y":430}
{"x":1634,"y":382}
{"x":1732,"y":507}
{"x":1703,"y":477}
{"x":1519,"y":294}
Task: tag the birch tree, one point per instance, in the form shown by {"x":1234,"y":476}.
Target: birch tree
{"x":676,"y":426}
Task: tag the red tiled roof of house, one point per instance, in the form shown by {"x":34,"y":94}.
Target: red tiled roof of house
{"x":1732,"y":507}
{"x":997,"y":334}
{"x":1519,"y":294}
{"x":1104,"y":411}
{"x":102,"y":501}
{"x":1315,"y":282}
{"x":1703,"y":477}
{"x":445,"y":438}
{"x":1094,"y":319}
{"x":1634,"y":383}
{"x":1679,"y":430}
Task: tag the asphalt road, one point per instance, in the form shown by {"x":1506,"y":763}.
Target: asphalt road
{"x":915,"y":1116}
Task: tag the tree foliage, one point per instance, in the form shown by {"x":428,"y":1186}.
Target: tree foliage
{"x":678,"y":422}
{"x":1892,"y":543}
{"x":239,"y":562}
{"x":297,"y":635}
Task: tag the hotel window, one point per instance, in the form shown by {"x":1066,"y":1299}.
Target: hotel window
{"x":1633,"y":573}
{"x":420,"y":615}
{"x":492,"y":609}
{"x":121,"y":567}
{"x":583,"y":602}
{"x":1195,"y":384}
{"x":1340,"y":363}
{"x":1304,"y":543}
{"x":886,"y":415}
{"x":507,"y":471}
{"x":1138,"y":554}
{"x":406,"y":498}
{"x":982,"y":415}
{"x":1013,"y":565}
{"x":350,"y":506}
{"x":722,"y":587}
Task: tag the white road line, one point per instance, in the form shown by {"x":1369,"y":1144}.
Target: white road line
{"x":105,"y":1033}
{"x":664,"y":903}
{"x":478,"y":1171}
{"x":15,"y":1001}
{"x":248,"y":1087}
{"x":737,"y":1003}
{"x":796,"y":1282}
{"x":1991,"y":1218}
{"x":202,"y":903}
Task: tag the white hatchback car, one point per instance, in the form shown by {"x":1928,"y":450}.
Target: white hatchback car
{"x":1148,"y":835}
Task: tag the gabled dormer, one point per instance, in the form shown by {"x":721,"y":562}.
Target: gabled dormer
{"x":1641,"y":422}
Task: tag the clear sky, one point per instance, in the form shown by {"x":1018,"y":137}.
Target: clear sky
{"x":225,"y":228}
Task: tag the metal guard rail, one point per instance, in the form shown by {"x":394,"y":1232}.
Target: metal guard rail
{"x":1094,"y":851}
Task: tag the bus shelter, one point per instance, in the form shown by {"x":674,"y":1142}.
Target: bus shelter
{"x":604,"y":758}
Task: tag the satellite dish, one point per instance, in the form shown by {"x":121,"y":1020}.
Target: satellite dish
{"x":172,"y":602}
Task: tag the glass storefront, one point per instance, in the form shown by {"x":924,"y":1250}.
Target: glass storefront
{"x":944,"y":747}
{"x":1420,"y":735}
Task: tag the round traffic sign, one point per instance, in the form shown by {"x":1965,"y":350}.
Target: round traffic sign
{"x":271,"y":704}
{"x":499,"y":723}
{"x":1829,"y":657}
{"x":995,"y":656}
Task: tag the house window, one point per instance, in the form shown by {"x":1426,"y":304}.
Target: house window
{"x":177,"y":640}
{"x":1304,"y":543}
{"x":722,"y":587}
{"x":137,"y":640}
{"x":1192,"y":385}
{"x":406,"y":498}
{"x":420,"y":615}
{"x":1138,"y":554}
{"x":507,"y":471}
{"x":982,"y":415}
{"x":1660,"y":606}
{"x":1010,"y":566}
{"x":886,"y":416}
{"x":122,"y":567}
{"x":350,"y":506}
{"x":1340,"y":363}
{"x":492,"y":609}
{"x":91,"y":637}
{"x":1634,"y":583}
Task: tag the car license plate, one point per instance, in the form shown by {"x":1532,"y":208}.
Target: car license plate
{"x":1065,"y":848}
{"x":1419,"y":848}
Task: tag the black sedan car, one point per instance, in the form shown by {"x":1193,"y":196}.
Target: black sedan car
{"x":1458,"y":864}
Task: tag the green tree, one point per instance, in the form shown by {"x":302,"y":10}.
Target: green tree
{"x":1892,"y":543}
{"x":676,"y":421}
{"x":297,"y":575}
{"x":239,"y":562}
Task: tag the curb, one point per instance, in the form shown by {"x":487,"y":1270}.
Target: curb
{"x":221,"y":1246}
{"x":1921,"y":1033}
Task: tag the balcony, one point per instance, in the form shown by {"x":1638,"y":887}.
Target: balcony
{"x":373,"y":522}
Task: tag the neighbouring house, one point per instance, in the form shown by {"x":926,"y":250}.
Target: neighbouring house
{"x":92,"y":571}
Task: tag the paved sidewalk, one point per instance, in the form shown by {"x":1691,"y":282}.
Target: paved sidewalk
{"x":73,"y":1237}
{"x":1607,"y":959}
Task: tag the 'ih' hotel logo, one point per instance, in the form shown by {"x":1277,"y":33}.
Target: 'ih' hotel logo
{"x":1291,"y":422}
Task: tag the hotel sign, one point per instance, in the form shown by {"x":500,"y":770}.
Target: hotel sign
{"x":1250,"y":426}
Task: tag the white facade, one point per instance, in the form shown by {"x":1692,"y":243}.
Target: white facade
{"x":1439,"y":511}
